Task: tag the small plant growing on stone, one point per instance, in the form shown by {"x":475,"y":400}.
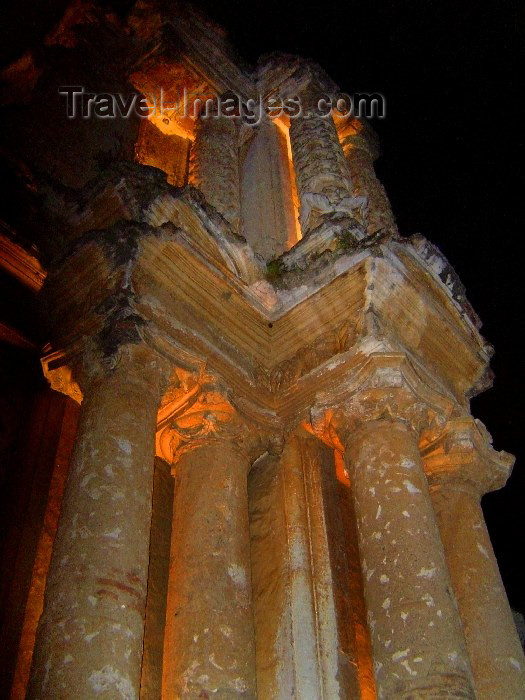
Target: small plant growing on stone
{"x":345,"y":240}
{"x":274,"y":269}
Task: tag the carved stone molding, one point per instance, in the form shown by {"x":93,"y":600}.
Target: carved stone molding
{"x":462,"y":457}
{"x":386,"y":387}
{"x":324,"y":347}
{"x":198,"y":411}
{"x":60,"y":375}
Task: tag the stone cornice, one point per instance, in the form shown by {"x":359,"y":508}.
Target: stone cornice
{"x":387,"y":386}
{"x":201,"y":299}
{"x":462,"y":457}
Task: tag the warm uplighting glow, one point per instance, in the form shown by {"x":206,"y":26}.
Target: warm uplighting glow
{"x":363,"y":646}
{"x":164,"y":149}
{"x":365,"y":672}
{"x":172,"y":126}
{"x":283,"y":124}
{"x":340,"y":470}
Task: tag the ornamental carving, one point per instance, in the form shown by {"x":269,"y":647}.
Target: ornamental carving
{"x":386,"y":387}
{"x":196,"y":411}
{"x":324,"y":347}
{"x":462,"y":456}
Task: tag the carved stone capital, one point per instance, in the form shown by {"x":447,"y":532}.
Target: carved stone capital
{"x":139,"y":362}
{"x":386,"y":387}
{"x":60,"y":375}
{"x":197,"y":411}
{"x":462,"y":457}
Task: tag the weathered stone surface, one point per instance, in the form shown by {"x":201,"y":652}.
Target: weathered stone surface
{"x":461,"y":466}
{"x":90,"y":634}
{"x":158,"y":574}
{"x":418,"y":644}
{"x":351,"y":332}
{"x":214,"y":165}
{"x":209,"y":646}
{"x":270,"y":581}
{"x":322,"y":176}
{"x":268,"y":217}
{"x":361,"y":150}
{"x":303,"y":600}
{"x":45,"y":461}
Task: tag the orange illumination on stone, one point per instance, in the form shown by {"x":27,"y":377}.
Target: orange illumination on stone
{"x":365,"y":673}
{"x":283,"y":124}
{"x":172,"y":126}
{"x":340,"y":470}
{"x":363,"y":649}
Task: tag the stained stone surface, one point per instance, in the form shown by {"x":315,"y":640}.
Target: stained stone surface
{"x":418,"y":645}
{"x":89,"y":641}
{"x":492,"y":641}
{"x":209,"y":646}
{"x":193,"y":255}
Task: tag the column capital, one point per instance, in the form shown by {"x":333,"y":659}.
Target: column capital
{"x":199,"y":411}
{"x":71,"y":375}
{"x":97,"y":319}
{"x":386,"y":387}
{"x":462,"y":457}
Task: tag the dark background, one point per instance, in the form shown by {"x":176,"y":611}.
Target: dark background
{"x":452,"y":142}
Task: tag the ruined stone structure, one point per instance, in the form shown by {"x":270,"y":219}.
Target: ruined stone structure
{"x":274,"y":490}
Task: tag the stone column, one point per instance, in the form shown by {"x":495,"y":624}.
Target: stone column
{"x":418,"y":644}
{"x":214,"y":165}
{"x":209,"y":647}
{"x":158,"y":575}
{"x":461,"y":467}
{"x":361,"y":149}
{"x":89,"y":641}
{"x":321,"y":173}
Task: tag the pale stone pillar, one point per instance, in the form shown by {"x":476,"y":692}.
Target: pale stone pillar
{"x":209,"y":648}
{"x":312,"y":613}
{"x":268,"y":217}
{"x":418,"y":644}
{"x":461,"y":466}
{"x":214,"y":165}
{"x":302,"y":600}
{"x":361,"y":150}
{"x":417,"y":640}
{"x":89,"y":641}
{"x":321,"y":173}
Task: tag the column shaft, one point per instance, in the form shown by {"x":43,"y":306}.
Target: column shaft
{"x":209,"y":648}
{"x":89,"y":641}
{"x":214,"y":165}
{"x":418,"y":645}
{"x":158,"y":575}
{"x":493,"y":644}
{"x":319,"y":164}
{"x":360,"y":157}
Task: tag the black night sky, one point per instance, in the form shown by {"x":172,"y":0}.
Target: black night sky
{"x":452,"y":144}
